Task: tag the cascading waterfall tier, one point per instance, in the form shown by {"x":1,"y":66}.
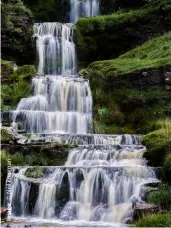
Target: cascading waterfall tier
{"x":55,"y":48}
{"x":58,"y":105}
{"x":83,"y":8}
{"x":97,"y":184}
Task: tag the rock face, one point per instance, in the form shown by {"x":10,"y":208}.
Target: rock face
{"x":108,"y":37}
{"x":16,"y":30}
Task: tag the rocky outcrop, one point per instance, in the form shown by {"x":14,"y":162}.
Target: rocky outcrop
{"x":17,"y":23}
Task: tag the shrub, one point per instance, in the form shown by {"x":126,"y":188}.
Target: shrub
{"x":161,"y":197}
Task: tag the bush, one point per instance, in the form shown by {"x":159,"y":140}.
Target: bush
{"x":161,"y":197}
{"x":155,"y":220}
{"x":26,"y":73}
{"x":167,"y":169}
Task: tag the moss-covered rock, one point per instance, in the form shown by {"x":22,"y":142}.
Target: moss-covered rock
{"x":35,"y":172}
{"x":107,"y":37}
{"x":17,"y":23}
{"x":158,"y":144}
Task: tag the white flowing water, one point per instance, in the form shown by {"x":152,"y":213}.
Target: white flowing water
{"x":55,"y":48}
{"x":97,"y":184}
{"x":58,"y":105}
{"x":83,"y":8}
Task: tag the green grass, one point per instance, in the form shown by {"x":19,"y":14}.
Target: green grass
{"x":152,"y":54}
{"x":155,"y":220}
{"x":156,"y":48}
{"x":161,"y":197}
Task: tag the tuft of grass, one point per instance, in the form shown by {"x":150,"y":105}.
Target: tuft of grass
{"x":155,"y":220}
{"x":161,"y":197}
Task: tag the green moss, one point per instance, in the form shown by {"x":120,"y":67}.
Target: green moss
{"x":161,"y":197}
{"x":117,"y":67}
{"x":6,"y":137}
{"x":157,"y":143}
{"x":155,"y":220}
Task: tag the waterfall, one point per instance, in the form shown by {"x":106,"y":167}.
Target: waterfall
{"x":105,"y":173}
{"x":97,"y":184}
{"x":83,"y":8}
{"x":55,"y":48}
{"x":58,"y":105}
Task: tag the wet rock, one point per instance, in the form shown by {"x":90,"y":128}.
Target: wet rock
{"x":4,"y":212}
{"x":144,"y":209}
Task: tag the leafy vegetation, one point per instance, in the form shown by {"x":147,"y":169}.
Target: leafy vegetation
{"x":161,"y":197}
{"x":17,"y":23}
{"x":16,"y":84}
{"x":155,"y":220}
